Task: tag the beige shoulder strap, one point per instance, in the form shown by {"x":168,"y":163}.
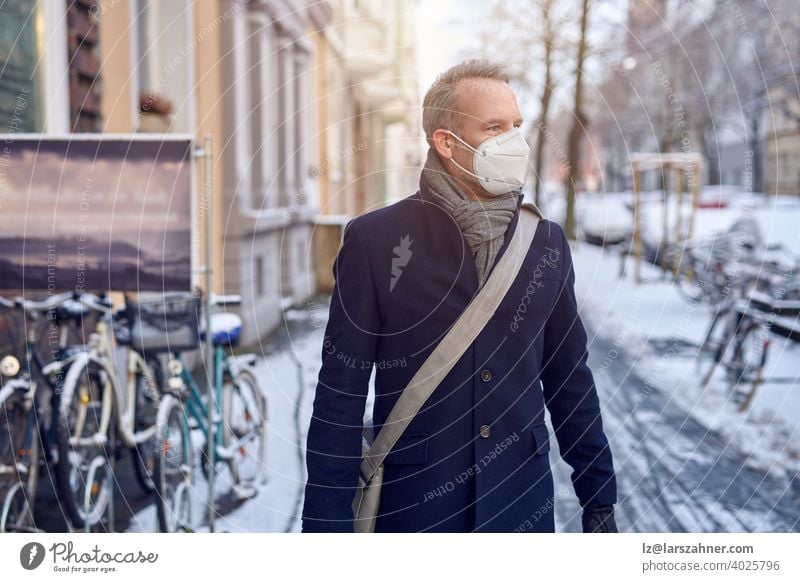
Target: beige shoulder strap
{"x":460,"y":336}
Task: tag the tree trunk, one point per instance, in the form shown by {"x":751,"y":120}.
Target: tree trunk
{"x":578,"y":127}
{"x":547,"y":93}
{"x":755,"y":147}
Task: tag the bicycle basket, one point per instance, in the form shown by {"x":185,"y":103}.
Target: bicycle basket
{"x":166,"y":324}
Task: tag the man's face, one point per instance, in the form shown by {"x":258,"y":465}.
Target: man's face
{"x":486,"y":108}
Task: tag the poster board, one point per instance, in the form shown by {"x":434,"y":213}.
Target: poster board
{"x":96,"y":212}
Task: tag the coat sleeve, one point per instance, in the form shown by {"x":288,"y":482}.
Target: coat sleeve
{"x":571,"y":396}
{"x":333,"y":452}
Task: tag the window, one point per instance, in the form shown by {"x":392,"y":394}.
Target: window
{"x":164,"y":57}
{"x":84,"y":66}
{"x":19,"y":84}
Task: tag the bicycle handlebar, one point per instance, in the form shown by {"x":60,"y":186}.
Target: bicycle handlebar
{"x":95,"y":302}
{"x":42,"y":305}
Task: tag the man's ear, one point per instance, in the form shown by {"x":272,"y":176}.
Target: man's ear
{"x":443,"y":142}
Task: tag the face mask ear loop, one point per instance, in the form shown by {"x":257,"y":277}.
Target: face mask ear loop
{"x":462,"y":168}
{"x":481,"y":153}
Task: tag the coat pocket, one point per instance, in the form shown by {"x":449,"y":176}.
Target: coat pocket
{"x":409,"y":450}
{"x":541,"y":439}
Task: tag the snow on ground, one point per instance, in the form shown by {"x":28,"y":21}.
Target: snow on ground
{"x":661,"y":331}
{"x":288,"y":375}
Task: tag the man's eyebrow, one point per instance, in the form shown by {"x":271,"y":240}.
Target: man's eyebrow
{"x":500,"y":121}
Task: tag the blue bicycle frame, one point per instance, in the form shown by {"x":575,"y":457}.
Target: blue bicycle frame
{"x":193,"y":401}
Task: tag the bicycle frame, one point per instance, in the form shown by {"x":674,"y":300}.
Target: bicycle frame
{"x":26,"y":389}
{"x":34,"y":360}
{"x":26,"y":449}
{"x":192,"y":397}
{"x":101,"y":350}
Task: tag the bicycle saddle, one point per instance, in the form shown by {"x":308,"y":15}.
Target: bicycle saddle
{"x":226,"y":328}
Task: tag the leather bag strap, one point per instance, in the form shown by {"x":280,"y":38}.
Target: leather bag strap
{"x":450,"y":349}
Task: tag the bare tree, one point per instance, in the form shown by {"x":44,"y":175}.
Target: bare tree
{"x":538,"y":31}
{"x":548,"y":39}
{"x":578,"y":127}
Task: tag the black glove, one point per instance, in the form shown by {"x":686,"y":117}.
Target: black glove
{"x":599,"y":519}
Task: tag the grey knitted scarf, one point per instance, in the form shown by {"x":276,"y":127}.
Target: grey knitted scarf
{"x":483,"y":223}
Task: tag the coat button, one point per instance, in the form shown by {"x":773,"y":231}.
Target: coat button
{"x":486,"y":375}
{"x":486,"y":431}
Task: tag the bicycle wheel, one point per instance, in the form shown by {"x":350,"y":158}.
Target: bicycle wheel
{"x":748,"y":358}
{"x":245,"y":432}
{"x":689,"y":279}
{"x":8,"y":430}
{"x":716,"y":344}
{"x":19,"y":463}
{"x":16,"y":514}
{"x":83,"y":437}
{"x":173,"y":473}
{"x":145,"y":455}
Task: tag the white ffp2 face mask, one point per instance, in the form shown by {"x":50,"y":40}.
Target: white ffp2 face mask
{"x":500,"y":163}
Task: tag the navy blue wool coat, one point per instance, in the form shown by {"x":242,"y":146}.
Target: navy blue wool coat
{"x":476,"y":456}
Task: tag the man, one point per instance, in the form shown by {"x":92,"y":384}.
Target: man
{"x":475,"y":458}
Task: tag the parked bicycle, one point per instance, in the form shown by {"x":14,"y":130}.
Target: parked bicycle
{"x":238,"y":432}
{"x":103,"y":397}
{"x":29,"y":393}
{"x":715,"y":269}
{"x":103,"y":405}
{"x":741,"y":333}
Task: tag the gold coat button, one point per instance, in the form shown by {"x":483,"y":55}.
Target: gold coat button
{"x":486,"y":375}
{"x":486,"y":431}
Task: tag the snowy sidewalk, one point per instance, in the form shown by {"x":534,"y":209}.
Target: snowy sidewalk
{"x":687,"y":459}
{"x":288,"y":374}
{"x":661,"y":332}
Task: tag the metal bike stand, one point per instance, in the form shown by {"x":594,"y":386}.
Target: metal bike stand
{"x":87,"y":492}
{"x":111,"y":470}
{"x":206,"y":152}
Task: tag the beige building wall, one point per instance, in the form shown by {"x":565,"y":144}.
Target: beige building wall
{"x":368,"y":91}
{"x":208,"y":106}
{"x":116,"y":47}
{"x":368,"y":117}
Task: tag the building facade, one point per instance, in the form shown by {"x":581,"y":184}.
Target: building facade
{"x":368,"y":115}
{"x":310,"y":105}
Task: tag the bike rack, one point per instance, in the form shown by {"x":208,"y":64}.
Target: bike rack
{"x":775,"y":315}
{"x":682,"y":164}
{"x":107,"y":466}
{"x":206,"y":153}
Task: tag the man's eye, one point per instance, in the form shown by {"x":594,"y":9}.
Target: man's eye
{"x":494,"y":128}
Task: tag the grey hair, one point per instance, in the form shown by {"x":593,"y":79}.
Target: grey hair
{"x":439,"y":108}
